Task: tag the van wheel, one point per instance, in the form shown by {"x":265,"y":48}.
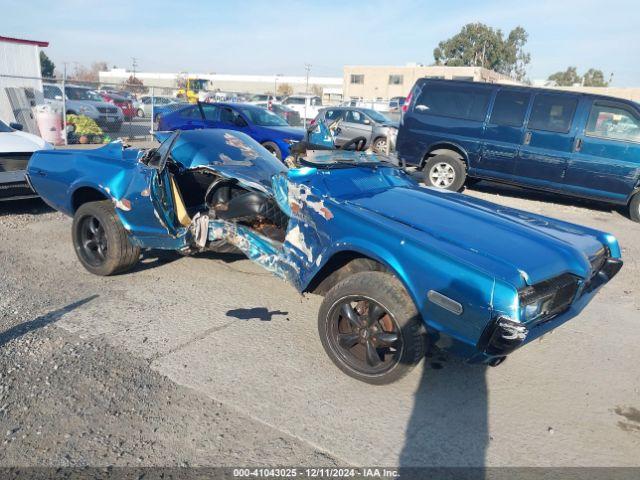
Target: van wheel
{"x":634,"y":208}
{"x":100,"y":241}
{"x":444,"y":172}
{"x":370,"y":328}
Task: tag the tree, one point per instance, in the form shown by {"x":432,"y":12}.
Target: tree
{"x":84,"y":74}
{"x":285,"y":89}
{"x":316,"y":90}
{"x":134,"y":85}
{"x":567,"y":78}
{"x":478,"y":45}
{"x":46,"y":65}
{"x":593,"y":78}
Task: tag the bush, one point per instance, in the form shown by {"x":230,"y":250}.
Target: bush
{"x":85,"y":126}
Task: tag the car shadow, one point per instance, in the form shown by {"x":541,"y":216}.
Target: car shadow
{"x":540,"y":196}
{"x":155,"y":258}
{"x":255,"y":313}
{"x":42,"y":321}
{"x":30,"y":206}
{"x":448,"y":426}
{"x":513,"y":191}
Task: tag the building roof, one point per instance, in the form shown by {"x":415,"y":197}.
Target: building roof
{"x":24,"y":42}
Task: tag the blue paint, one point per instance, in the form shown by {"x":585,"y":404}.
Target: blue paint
{"x":477,"y":253}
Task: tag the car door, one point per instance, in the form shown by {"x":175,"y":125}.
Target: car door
{"x":503,"y":134}
{"x":355,"y":124}
{"x":547,"y":141}
{"x":155,"y":223}
{"x":606,"y":159}
{"x":232,"y":120}
{"x":332,"y":115}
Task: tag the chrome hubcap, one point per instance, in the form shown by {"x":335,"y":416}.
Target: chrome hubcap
{"x":442,"y":175}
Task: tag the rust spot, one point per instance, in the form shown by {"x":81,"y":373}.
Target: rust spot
{"x":326,"y":213}
{"x":123,"y":204}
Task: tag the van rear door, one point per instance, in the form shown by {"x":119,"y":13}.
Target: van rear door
{"x":547,"y":141}
{"x":606,"y":159}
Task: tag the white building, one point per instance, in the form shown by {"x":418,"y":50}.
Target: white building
{"x":224,"y":82}
{"x":20,"y":84}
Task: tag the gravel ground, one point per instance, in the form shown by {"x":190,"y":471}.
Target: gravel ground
{"x":148,"y":369}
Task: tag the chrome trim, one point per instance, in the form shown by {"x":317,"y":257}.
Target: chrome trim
{"x":445,"y":302}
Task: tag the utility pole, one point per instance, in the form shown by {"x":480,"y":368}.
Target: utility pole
{"x":307,"y":67}
{"x":64,"y":104}
{"x":134,"y":64}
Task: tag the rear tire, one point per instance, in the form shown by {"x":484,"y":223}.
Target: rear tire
{"x":380,"y":145}
{"x":376,"y":349}
{"x":634,"y":208}
{"x":274,"y":149}
{"x":444,"y":172}
{"x":100,"y":241}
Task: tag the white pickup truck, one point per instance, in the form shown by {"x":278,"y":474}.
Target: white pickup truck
{"x":307,"y":105}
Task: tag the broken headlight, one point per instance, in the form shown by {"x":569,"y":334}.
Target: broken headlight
{"x":547,"y":298}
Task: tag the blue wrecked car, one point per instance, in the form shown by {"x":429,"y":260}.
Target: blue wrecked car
{"x":402,"y":268}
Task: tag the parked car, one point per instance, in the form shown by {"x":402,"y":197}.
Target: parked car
{"x":394,"y":279}
{"x":572,"y":143}
{"x":122,"y":103}
{"x":288,"y":114}
{"x":84,"y":101}
{"x":360,"y":122}
{"x":16,"y":148}
{"x":263,"y":98}
{"x":307,"y":106}
{"x":396,"y":103}
{"x":143,"y":107}
{"x":120,"y":93}
{"x":267,"y":128}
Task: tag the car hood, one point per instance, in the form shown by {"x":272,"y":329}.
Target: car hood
{"x":17,"y":141}
{"x":516,"y":245}
{"x":294,"y":133}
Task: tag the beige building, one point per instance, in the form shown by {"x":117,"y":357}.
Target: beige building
{"x":383,"y":82}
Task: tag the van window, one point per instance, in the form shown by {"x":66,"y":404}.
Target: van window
{"x":552,"y":113}
{"x":453,"y":101}
{"x":510,"y":108}
{"x":615,"y":122}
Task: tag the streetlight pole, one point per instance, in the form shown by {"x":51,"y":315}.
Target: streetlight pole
{"x":307,"y":67}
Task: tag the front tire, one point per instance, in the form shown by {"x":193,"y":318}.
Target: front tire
{"x":370,"y":328}
{"x":100,"y":241}
{"x":634,"y":208}
{"x":445,"y":172}
{"x":273,"y":149}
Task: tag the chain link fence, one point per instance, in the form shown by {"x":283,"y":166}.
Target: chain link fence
{"x":74,"y":111}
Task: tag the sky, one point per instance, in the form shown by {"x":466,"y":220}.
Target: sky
{"x":274,"y":36}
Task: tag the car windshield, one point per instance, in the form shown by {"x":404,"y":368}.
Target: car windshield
{"x":265,"y":118}
{"x":4,"y":128}
{"x":75,"y":93}
{"x":376,"y":116}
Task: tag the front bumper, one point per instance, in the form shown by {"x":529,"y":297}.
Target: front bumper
{"x":503,"y":335}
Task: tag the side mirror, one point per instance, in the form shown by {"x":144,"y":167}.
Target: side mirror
{"x":16,"y":126}
{"x":367,"y":121}
{"x":58,"y":97}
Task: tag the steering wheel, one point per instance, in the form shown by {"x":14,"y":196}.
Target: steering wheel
{"x":359,"y":143}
